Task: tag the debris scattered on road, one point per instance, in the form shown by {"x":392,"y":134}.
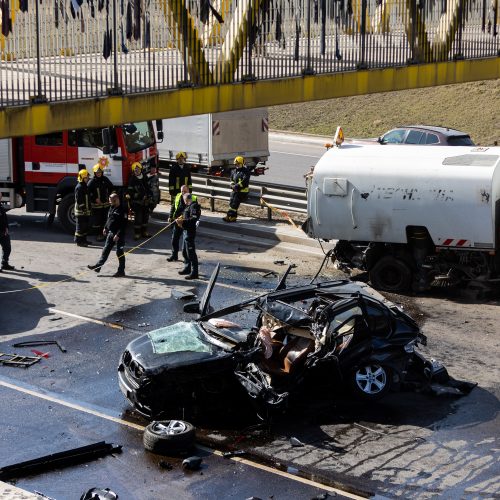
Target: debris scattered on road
{"x":56,"y":318}
{"x":165,"y":465}
{"x":183,"y":294}
{"x":269,"y":274}
{"x":292,"y":470}
{"x":144,"y":324}
{"x":296,"y":442}
{"x":99,"y":494}
{"x":192,"y":463}
{"x":45,"y":355}
{"x":56,"y":460}
{"x":42,"y":495}
{"x":18,"y":360}
{"x":279,"y":262}
{"x":38,"y":343}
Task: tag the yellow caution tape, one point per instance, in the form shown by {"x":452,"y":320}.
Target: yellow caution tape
{"x":70,"y":278}
{"x":282,"y":212}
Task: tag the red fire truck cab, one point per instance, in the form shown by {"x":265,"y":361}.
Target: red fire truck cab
{"x":44,"y":168}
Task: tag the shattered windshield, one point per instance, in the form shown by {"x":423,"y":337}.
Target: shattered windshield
{"x":182,"y":336}
{"x":138,"y":136}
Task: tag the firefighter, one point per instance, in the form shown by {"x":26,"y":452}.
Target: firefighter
{"x":114,"y":231}
{"x":4,"y":238}
{"x":240,"y":179}
{"x":82,"y":209}
{"x":100,"y":187}
{"x":140,"y":196}
{"x":189,"y":222}
{"x":180,"y":174}
{"x":154,"y":187}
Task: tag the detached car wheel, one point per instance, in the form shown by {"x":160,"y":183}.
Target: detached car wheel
{"x":371,"y":382}
{"x":391,"y":274}
{"x":169,"y":436}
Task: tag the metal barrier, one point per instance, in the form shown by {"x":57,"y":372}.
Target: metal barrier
{"x":289,"y":198}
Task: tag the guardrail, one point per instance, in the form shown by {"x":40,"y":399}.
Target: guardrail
{"x":289,"y":198}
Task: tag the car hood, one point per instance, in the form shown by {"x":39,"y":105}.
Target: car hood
{"x":173,"y":346}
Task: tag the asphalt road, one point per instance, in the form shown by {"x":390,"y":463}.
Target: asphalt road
{"x":291,"y":156}
{"x":408,"y":445}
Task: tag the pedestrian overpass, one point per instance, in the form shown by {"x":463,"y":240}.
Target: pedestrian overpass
{"x":81,"y":63}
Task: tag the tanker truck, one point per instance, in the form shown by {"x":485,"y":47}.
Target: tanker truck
{"x":412,"y":217}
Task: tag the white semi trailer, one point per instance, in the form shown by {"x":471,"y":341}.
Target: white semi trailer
{"x":212,"y":141}
{"x":411,"y":216}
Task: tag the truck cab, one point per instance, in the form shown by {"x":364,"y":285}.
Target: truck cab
{"x":47,"y":165}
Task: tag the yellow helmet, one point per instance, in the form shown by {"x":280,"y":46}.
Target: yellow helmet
{"x":82,"y":174}
{"x":135,"y":165}
{"x":97,"y":167}
{"x":180,"y":154}
{"x":239,"y":160}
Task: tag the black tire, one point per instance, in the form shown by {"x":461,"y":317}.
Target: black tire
{"x":66,"y":213}
{"x":391,"y":274}
{"x":167,"y":437}
{"x":371,"y":382}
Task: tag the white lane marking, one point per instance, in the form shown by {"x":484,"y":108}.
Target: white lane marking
{"x":296,"y":154}
{"x":120,"y":421}
{"x":86,"y":318}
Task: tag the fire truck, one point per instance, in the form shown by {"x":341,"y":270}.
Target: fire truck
{"x":41,"y":171}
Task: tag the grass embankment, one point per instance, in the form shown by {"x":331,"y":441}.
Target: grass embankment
{"x":471,"y":107}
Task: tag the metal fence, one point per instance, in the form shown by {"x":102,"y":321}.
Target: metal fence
{"x":72,"y":49}
{"x":288,"y":198}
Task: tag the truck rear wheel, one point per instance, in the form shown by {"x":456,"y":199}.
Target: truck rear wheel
{"x":391,"y":274}
{"x":66,"y":213}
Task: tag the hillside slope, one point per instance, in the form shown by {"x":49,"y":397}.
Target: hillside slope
{"x":471,"y":107}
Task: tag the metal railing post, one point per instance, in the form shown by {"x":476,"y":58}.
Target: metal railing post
{"x":116,"y":89}
{"x":39,"y":98}
{"x":362,"y":62}
{"x":308,"y":70}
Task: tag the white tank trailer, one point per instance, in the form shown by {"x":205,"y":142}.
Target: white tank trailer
{"x":412,"y":216}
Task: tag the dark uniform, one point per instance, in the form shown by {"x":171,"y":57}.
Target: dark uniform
{"x":5,"y":239}
{"x":191,"y":216}
{"x":82,"y":213}
{"x":116,"y":225}
{"x":154,"y":188}
{"x":240,"y":179}
{"x":99,"y":188}
{"x":140,"y":197}
{"x":177,"y":177}
{"x":179,"y":207}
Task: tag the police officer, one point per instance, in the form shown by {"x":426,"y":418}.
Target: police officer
{"x":82,"y":209}
{"x":4,"y":238}
{"x":140,"y":196}
{"x":114,"y":230}
{"x":240,"y":179}
{"x":180,"y":174}
{"x":189,"y":223}
{"x":99,"y":187}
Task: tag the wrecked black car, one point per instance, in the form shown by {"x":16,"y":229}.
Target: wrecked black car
{"x":330,"y":334}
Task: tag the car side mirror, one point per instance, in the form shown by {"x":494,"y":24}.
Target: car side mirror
{"x":380,"y":140}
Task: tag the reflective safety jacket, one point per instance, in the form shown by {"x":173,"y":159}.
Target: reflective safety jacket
{"x":179,"y":204}
{"x":117,"y":220}
{"x":191,"y":216}
{"x":138,"y":189}
{"x":82,"y":203}
{"x":240,"y":179}
{"x":100,"y":187}
{"x":179,"y":176}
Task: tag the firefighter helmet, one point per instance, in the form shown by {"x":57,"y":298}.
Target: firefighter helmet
{"x":82,"y":174}
{"x":135,"y":165}
{"x":97,"y":167}
{"x":180,"y":154}
{"x":239,"y":160}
